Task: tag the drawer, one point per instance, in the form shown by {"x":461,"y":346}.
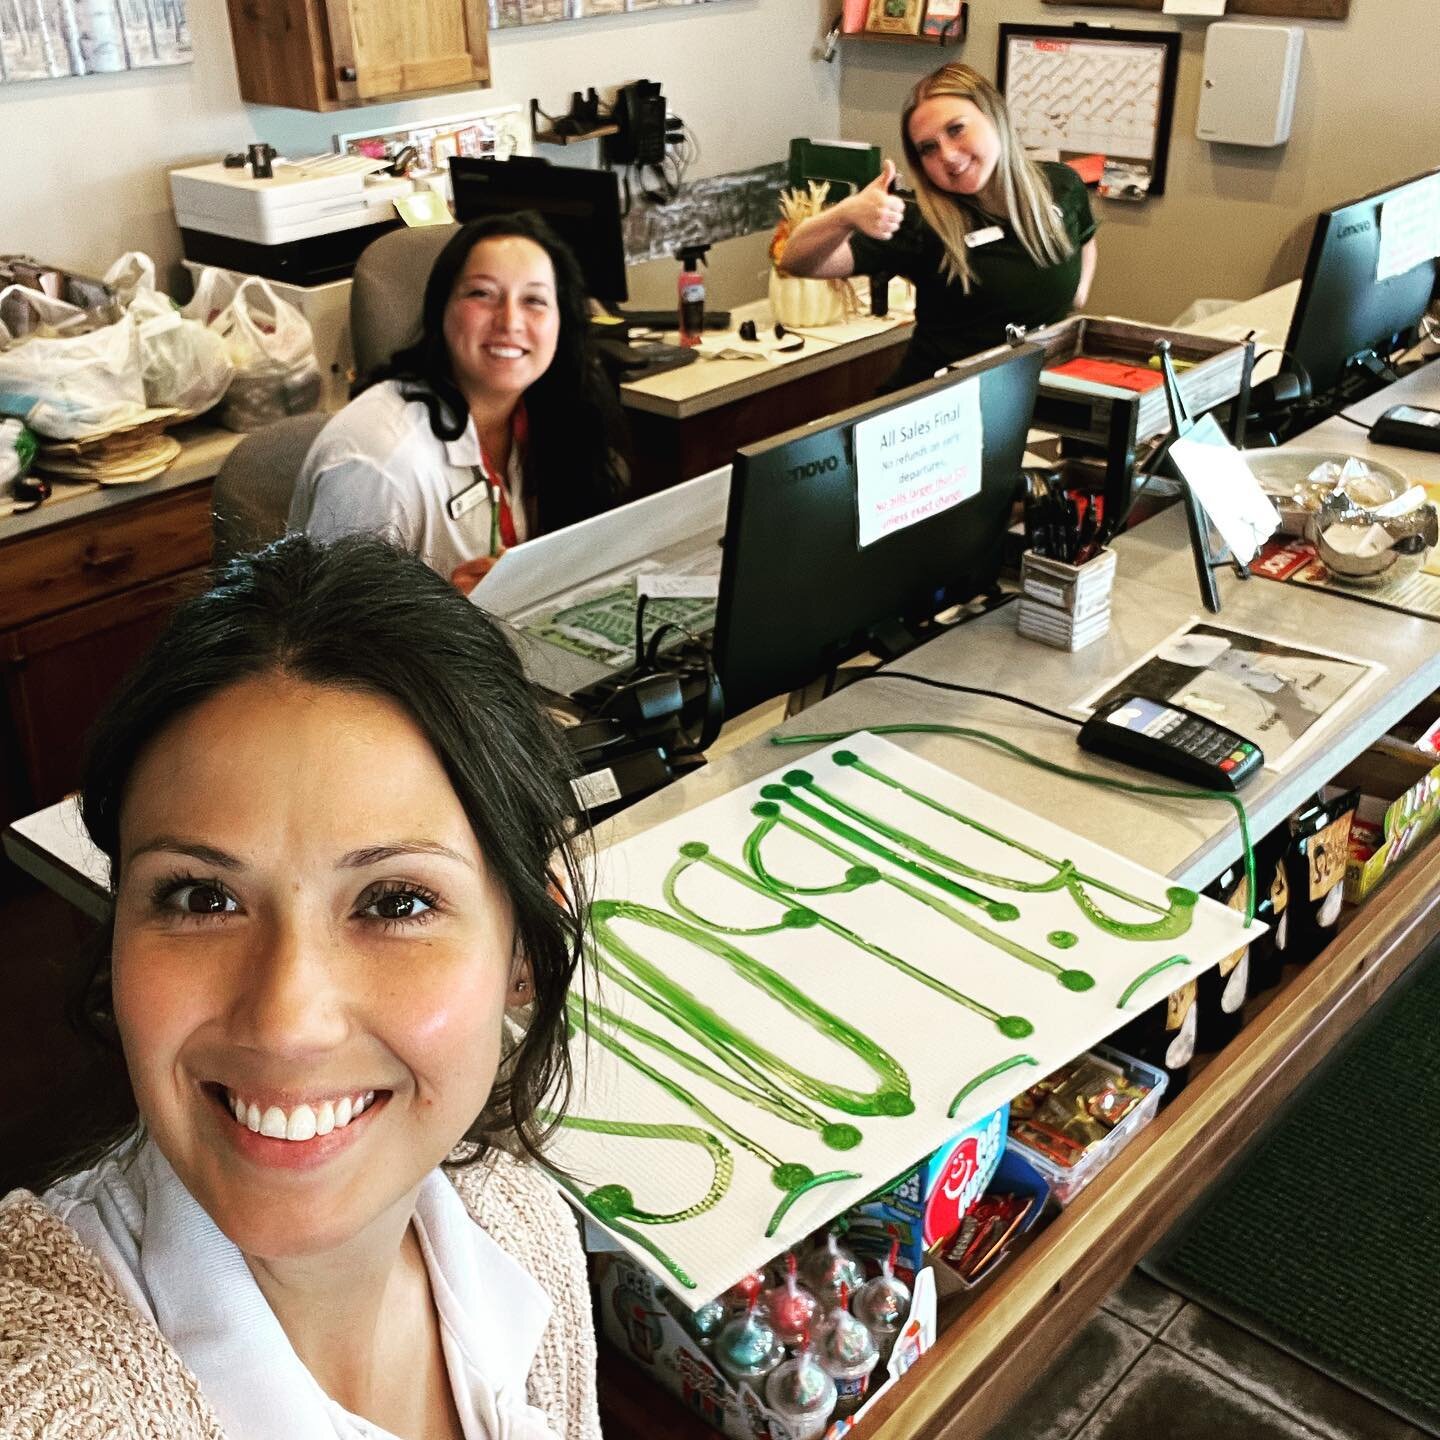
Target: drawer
{"x":104,"y":554}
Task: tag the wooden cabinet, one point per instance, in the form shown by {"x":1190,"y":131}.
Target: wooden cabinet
{"x":336,"y":54}
{"x":79,"y":604}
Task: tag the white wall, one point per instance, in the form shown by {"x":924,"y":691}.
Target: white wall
{"x":1233,"y":221}
{"x":83,"y":161}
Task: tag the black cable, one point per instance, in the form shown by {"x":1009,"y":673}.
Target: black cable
{"x":1341,"y":415}
{"x":879,"y":672}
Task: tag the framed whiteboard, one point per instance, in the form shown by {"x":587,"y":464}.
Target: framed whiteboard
{"x":1082,"y":91}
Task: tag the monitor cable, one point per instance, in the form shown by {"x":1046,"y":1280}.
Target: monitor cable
{"x":879,"y":672}
{"x":1103,"y":782}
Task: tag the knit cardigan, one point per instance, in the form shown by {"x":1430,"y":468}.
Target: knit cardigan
{"x":78,"y":1360}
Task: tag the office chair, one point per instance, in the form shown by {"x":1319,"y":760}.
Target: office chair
{"x":251,"y":499}
{"x":387,"y":291}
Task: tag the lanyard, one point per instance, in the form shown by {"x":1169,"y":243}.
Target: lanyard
{"x":485,"y":486}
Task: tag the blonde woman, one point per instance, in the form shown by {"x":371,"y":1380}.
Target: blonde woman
{"x":992,"y":238}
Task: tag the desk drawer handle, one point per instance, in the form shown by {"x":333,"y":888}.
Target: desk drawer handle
{"x":110,"y":564}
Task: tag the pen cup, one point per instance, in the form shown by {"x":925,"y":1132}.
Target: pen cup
{"x":1067,"y":606}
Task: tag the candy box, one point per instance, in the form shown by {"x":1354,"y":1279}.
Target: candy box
{"x":925,"y":1206}
{"x":1400,"y":794}
{"x":641,"y":1318}
{"x":1014,"y":1175}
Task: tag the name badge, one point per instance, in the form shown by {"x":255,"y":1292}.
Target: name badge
{"x":988,"y":235}
{"x":458,"y":506}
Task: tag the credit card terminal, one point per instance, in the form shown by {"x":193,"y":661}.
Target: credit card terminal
{"x":1170,"y":741}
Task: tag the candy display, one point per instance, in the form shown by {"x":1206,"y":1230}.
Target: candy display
{"x":791,"y":1307}
{"x":802,"y":1395}
{"x":882,"y":1304}
{"x":1315,"y":872}
{"x":747,"y":1348}
{"x":1267,"y":950}
{"x":986,"y":1231}
{"x":846,"y":1351}
{"x":1164,"y":1036}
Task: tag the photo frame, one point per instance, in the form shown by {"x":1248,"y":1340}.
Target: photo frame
{"x":895,"y":17}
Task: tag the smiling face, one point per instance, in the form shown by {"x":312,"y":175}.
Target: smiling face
{"x":502,"y":322}
{"x":307,"y":930}
{"x":958,"y":144}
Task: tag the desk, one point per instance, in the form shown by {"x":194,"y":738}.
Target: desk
{"x":688,"y":421}
{"x":993,"y":1344}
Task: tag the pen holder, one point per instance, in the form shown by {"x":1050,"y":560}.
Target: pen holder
{"x":1063,"y":605}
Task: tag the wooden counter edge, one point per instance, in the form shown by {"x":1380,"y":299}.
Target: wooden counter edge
{"x":987,"y":1360}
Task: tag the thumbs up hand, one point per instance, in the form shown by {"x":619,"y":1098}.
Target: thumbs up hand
{"x":874,"y":211}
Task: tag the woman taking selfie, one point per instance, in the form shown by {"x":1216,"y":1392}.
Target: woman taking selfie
{"x":337,"y":828}
{"x":497,"y":425}
{"x":991,"y":239}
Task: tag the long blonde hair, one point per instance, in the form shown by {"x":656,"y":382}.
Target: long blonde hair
{"x":1029,"y":205}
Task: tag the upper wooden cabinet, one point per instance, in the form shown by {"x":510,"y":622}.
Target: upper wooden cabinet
{"x":336,"y":54}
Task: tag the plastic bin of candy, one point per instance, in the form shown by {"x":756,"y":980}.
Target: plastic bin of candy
{"x":1066,"y":1181}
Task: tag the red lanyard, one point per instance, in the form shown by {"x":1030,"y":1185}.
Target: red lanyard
{"x":519,"y":434}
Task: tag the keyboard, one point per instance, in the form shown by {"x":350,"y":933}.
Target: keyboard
{"x":669,"y":319}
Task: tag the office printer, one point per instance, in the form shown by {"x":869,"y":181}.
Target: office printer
{"x":305,"y":225}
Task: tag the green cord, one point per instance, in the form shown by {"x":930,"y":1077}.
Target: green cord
{"x":1104,"y":782}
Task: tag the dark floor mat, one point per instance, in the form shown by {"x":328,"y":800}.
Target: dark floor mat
{"x":1326,"y":1239}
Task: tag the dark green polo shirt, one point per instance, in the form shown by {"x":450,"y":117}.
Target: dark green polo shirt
{"x":1007,"y":287}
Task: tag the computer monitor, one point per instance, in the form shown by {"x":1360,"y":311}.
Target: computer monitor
{"x":581,"y":206}
{"x":799,"y":594}
{"x":1348,"y":323}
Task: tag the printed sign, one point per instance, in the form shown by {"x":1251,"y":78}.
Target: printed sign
{"x":918,"y":460}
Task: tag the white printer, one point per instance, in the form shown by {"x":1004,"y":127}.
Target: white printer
{"x":306,"y":224}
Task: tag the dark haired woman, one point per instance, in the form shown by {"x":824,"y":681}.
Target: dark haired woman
{"x":992,"y":238}
{"x":495,"y":426}
{"x":337,"y":832}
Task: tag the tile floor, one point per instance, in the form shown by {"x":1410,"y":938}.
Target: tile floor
{"x":1152,"y":1366}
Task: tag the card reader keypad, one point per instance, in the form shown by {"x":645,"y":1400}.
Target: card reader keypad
{"x":1206,"y":743}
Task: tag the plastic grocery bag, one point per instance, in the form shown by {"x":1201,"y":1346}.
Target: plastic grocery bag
{"x":67,"y":385}
{"x":185,"y":365}
{"x":271,"y":346}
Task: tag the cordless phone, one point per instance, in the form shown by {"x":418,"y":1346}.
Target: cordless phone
{"x":1170,"y":741}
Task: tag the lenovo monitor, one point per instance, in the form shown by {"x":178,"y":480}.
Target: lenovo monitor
{"x":1352,"y":315}
{"x":877,"y":518}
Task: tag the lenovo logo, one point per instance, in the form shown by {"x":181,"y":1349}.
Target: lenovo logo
{"x":1358,"y":228}
{"x":812,"y":468}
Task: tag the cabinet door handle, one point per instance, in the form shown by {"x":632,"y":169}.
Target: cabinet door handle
{"x":107,"y":564}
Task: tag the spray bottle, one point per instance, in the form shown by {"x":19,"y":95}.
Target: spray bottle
{"x":691,"y":289}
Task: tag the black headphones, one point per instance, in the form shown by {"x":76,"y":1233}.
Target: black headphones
{"x":675,"y":698}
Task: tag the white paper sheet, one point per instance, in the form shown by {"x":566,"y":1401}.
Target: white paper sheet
{"x":1409,"y":228}
{"x":1194,"y":7}
{"x":988,"y":986}
{"x":1227,"y":490}
{"x":917,"y":461}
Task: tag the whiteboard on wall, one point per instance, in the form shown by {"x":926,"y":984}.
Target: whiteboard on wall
{"x":1079,"y":91}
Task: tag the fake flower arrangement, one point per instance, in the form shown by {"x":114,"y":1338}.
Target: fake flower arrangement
{"x":798,"y":301}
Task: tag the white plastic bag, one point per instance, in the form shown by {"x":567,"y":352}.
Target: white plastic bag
{"x":184,"y":365}
{"x":71,"y":385}
{"x":271,"y":346}
{"x":132,"y":274}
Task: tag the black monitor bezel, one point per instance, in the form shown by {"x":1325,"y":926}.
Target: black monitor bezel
{"x":1306,"y":309}
{"x":737,"y":669}
{"x":601,"y":256}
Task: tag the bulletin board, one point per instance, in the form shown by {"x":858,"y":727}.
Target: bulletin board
{"x":1080,"y":92}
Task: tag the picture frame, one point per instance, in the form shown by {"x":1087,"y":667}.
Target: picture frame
{"x":895,"y":17}
{"x":943,"y":18}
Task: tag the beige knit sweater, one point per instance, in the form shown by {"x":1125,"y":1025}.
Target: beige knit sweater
{"x":78,"y":1361}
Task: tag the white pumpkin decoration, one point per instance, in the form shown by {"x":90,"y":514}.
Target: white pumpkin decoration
{"x":798,"y":302}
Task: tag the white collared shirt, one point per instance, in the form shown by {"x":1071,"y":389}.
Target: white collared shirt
{"x":175,"y":1266}
{"x":377,"y":468}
